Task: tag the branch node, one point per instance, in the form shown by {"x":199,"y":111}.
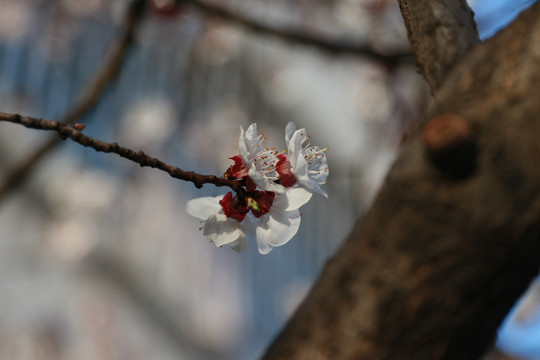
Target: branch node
{"x":450,"y":145}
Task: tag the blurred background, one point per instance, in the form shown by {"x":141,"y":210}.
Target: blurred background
{"x":98,"y":258}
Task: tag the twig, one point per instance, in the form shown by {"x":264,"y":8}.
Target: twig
{"x":70,"y":131}
{"x":88,"y":98}
{"x":296,"y":36}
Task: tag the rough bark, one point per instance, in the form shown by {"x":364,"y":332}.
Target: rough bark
{"x":440,"y":33}
{"x":442,"y":256}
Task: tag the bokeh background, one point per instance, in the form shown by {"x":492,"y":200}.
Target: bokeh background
{"x":98,"y":258}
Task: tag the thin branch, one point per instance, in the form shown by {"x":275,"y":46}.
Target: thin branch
{"x":88,"y":98}
{"x":112,"y":63}
{"x":70,"y":131}
{"x":440,"y":32}
{"x":298,"y":36}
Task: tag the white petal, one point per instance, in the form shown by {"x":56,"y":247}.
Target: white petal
{"x":319,"y":168}
{"x":323,"y":192}
{"x":289,"y":130}
{"x":299,"y":165}
{"x":250,"y":224}
{"x":263,"y":247}
{"x":294,"y":146}
{"x":278,"y":228}
{"x":292,"y":199}
{"x":240,"y":244}
{"x":306,"y":178}
{"x":309,"y":176}
{"x":202,"y":208}
{"x":248,"y":143}
{"x":252,"y":133}
{"x":318,"y":176}
{"x":303,"y":177}
{"x":223,"y":231}
{"x":242,"y":145}
{"x":321,"y":163}
{"x":264,"y":182}
{"x":319,"y":179}
{"x":312,"y":186}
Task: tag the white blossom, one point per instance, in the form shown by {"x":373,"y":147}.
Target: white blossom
{"x":261,"y":160}
{"x":216,"y":226}
{"x":276,"y":186}
{"x":308,"y":163}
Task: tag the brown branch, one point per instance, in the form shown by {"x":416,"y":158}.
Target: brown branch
{"x":70,"y":131}
{"x":298,"y":36}
{"x":88,"y":98}
{"x":440,"y":32}
{"x":442,"y":256}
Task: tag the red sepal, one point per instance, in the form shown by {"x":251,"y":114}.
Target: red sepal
{"x":239,"y":170}
{"x":250,"y":184}
{"x":261,"y":202}
{"x":283,"y":168}
{"x":234,"y":207}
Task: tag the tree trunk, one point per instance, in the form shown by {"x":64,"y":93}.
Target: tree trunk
{"x":453,"y":237}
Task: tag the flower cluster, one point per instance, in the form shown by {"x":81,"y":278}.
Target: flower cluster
{"x":276,"y":186}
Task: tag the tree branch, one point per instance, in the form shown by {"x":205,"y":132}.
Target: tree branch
{"x":440,"y":32}
{"x":88,"y":98}
{"x":442,"y":256}
{"x":72,"y":132}
{"x":297,"y":36}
